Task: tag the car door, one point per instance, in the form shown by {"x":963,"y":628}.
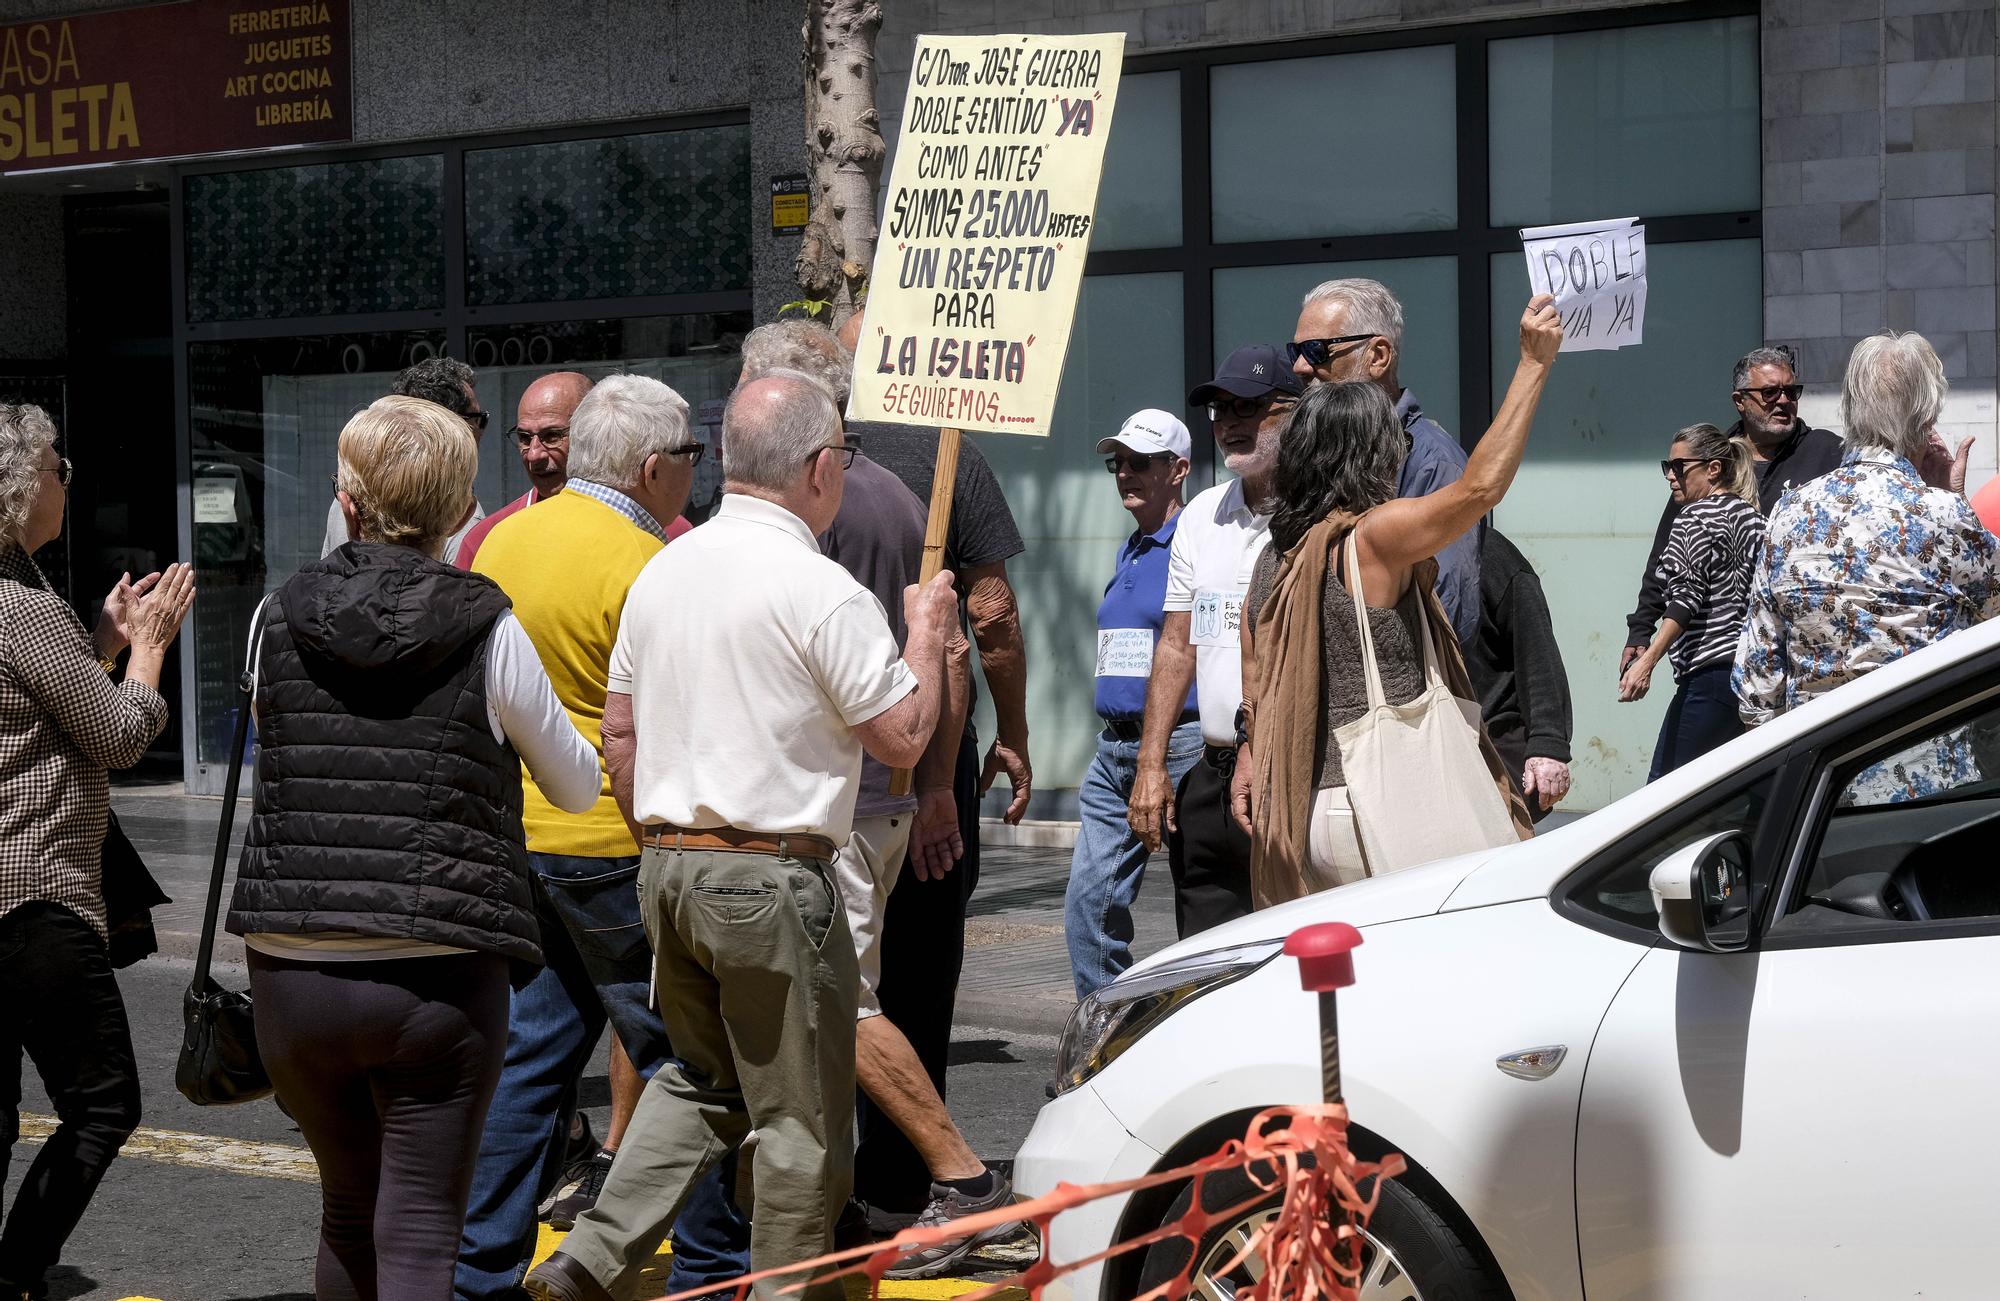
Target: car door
{"x":1815,"y":1116}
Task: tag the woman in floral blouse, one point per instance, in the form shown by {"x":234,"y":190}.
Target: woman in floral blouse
{"x":1879,"y":558}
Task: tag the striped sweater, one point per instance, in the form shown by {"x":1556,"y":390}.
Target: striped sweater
{"x":1704,"y":574}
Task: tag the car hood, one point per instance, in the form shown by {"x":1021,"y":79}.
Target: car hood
{"x":1417,"y":892}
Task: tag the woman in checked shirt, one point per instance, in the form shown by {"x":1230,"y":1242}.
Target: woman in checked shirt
{"x":64,"y":720}
{"x":1705,"y":573}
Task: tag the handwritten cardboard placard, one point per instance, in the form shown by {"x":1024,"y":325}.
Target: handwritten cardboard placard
{"x":1597,"y":272}
{"x":984,"y":231}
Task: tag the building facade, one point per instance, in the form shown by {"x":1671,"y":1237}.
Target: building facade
{"x":530,"y":187}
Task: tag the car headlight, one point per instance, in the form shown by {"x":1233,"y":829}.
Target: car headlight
{"x":1113,"y":1019}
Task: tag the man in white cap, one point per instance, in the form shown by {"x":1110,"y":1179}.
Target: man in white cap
{"x":1149,"y":456}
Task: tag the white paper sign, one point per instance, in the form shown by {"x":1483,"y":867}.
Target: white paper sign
{"x":1597,"y":272}
{"x":1217,"y":619}
{"x":1124,"y":652}
{"x":985,"y":228}
{"x":214,"y":501}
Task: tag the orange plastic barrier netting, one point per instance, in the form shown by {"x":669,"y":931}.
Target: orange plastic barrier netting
{"x":1311,"y":1251}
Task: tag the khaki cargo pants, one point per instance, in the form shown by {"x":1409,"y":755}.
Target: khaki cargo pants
{"x":755,"y":979}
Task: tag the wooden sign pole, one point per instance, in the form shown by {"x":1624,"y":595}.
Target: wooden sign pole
{"x":944,"y":479}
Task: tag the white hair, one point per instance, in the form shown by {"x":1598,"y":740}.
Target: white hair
{"x":805,"y":346}
{"x":766,"y":444}
{"x":1371,"y":308}
{"x":25,"y":433}
{"x":623,"y":420}
{"x":1892,"y":393}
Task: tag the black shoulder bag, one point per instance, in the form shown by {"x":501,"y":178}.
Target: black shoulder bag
{"x":218,"y":1062}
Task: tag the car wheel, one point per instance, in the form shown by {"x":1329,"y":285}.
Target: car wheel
{"x":1409,"y":1253}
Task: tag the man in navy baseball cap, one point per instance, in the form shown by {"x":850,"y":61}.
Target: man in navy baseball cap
{"x":1253,"y":371}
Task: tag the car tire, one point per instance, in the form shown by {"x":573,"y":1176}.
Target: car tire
{"x":1427,"y":1259}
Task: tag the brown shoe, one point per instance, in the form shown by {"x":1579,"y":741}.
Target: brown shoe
{"x":563,"y":1278}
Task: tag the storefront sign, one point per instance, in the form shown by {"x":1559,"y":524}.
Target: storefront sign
{"x":198,"y":77}
{"x":791,"y":204}
{"x":1597,"y":272}
{"x":984,"y":231}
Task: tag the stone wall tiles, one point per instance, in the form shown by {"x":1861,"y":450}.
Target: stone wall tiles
{"x":1965,"y":216}
{"x":1838,"y":180}
{"x":1931,"y":172}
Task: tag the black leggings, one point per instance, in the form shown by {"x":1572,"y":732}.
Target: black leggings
{"x":388,"y":1067}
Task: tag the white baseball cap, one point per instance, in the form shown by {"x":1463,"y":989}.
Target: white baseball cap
{"x":1147,"y":432}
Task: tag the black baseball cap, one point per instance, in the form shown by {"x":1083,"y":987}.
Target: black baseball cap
{"x":1255,"y":370}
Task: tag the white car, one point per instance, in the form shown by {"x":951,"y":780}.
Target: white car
{"x":1735,"y":1036}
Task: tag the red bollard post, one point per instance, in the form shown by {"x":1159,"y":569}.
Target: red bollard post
{"x":1326,"y":963}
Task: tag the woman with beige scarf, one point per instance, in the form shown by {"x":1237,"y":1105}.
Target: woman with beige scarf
{"x":1302,"y":674}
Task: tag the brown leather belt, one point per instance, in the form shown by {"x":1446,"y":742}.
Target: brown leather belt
{"x":728,"y":840}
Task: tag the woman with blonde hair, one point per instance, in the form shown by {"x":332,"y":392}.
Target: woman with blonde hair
{"x":65,"y":719}
{"x":383,"y":893}
{"x":1704,"y":573}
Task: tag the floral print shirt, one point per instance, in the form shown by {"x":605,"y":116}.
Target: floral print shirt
{"x":1860,"y":567}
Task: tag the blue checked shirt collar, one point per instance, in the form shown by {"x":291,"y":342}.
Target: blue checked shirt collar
{"x":619,"y":502}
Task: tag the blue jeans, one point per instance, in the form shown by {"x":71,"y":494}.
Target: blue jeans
{"x":598,"y":967}
{"x":1702,"y":716}
{"x":1110,"y":862}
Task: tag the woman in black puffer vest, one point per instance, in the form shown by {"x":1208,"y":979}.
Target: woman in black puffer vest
{"x":383,"y":891}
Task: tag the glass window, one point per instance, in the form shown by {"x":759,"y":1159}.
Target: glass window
{"x":1139,"y":197}
{"x":1908,"y":836}
{"x":1618,"y":888}
{"x":1261,"y":305}
{"x":1630,"y":122}
{"x":613,"y":217}
{"x":1124,"y":355}
{"x":264,"y":421}
{"x":1298,"y":145}
{"x":332,"y":239}
{"x":697,"y":356}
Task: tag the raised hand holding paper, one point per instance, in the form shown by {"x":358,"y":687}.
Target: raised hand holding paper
{"x":1597,"y":272}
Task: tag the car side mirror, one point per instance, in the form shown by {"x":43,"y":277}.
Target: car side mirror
{"x":1702,"y":893}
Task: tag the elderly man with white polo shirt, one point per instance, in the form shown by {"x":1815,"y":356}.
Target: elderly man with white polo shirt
{"x":734,"y":744}
{"x":1149,"y":457}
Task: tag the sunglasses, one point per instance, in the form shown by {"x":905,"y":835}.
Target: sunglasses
{"x":1249,"y":408}
{"x":1318,"y":352}
{"x":1674,"y":467}
{"x":63,"y":471}
{"x":477,"y":420}
{"x":556,"y":437}
{"x":1769,"y":394}
{"x":1138,"y":464}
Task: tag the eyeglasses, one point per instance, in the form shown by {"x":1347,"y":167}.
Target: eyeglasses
{"x":556,"y":437}
{"x":1770,"y":393}
{"x":1675,"y":466}
{"x":477,"y":419}
{"x":845,"y":451}
{"x":1318,"y":352}
{"x":692,"y":451}
{"x":62,"y":471}
{"x":1137,"y":464}
{"x":1249,"y":408}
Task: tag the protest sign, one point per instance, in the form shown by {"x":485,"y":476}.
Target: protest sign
{"x":1597,"y":272}
{"x":984,"y":231}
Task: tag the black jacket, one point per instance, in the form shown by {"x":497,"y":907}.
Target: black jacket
{"x":1810,"y":453}
{"x":384,"y":805}
{"x":1514,"y":663}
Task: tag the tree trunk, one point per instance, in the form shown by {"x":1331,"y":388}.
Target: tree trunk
{"x":844,"y":152}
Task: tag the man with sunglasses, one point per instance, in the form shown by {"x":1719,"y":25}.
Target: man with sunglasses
{"x":1217,"y":540}
{"x":1149,"y":457}
{"x":1351,"y":331}
{"x":450,"y":384}
{"x":1785,"y":452}
{"x":567,"y":566}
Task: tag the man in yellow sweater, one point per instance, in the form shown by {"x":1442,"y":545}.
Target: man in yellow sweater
{"x":567,"y":566}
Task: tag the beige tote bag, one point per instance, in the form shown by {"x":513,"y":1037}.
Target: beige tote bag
{"x":1416,"y":780}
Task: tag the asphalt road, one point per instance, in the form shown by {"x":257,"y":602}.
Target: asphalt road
{"x":201,"y":1218}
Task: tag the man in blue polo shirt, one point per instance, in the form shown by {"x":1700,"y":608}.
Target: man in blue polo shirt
{"x":1149,"y":456}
